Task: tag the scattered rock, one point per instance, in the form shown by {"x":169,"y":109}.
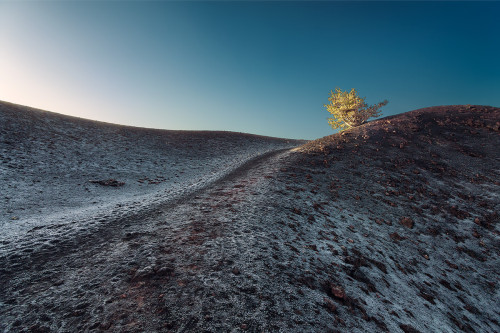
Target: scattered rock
{"x":458,"y":213}
{"x":329,"y":305}
{"x":108,"y":182}
{"x":337,"y":291}
{"x":407,"y":222}
{"x":58,"y":282}
{"x":396,"y":237}
{"x":408,"y":329}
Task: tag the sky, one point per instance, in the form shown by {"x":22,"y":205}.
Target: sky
{"x":257,"y":67}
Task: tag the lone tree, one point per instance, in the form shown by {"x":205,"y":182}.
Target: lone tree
{"x":350,"y":110}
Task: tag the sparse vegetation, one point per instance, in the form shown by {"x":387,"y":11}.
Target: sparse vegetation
{"x":350,"y":110}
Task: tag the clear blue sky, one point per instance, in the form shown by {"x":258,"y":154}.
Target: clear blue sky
{"x":257,"y":67}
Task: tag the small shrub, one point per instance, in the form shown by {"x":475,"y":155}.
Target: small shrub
{"x":350,"y":110}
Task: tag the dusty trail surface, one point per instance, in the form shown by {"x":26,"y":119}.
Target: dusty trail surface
{"x":389,"y":227}
{"x":158,"y":270}
{"x":55,"y":214}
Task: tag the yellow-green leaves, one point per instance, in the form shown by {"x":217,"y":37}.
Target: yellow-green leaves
{"x":350,"y":110}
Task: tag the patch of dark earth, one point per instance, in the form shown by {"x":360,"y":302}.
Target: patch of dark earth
{"x":390,"y":227}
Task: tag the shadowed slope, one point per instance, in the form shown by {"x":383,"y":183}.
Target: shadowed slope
{"x":409,"y":206}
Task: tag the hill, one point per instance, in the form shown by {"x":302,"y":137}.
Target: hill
{"x":53,"y":166}
{"x":392,"y":226}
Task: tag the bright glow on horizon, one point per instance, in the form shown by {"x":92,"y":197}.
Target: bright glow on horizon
{"x":257,"y":67}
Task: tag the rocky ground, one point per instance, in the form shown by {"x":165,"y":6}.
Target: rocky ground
{"x":392,"y":226}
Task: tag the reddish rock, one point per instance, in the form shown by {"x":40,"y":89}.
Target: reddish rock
{"x":396,"y":237}
{"x":452,"y":265}
{"x":330,"y":305}
{"x":458,"y":213}
{"x":337,"y":291}
{"x":407,"y":222}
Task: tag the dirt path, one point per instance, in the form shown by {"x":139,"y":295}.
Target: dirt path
{"x":165,"y":268}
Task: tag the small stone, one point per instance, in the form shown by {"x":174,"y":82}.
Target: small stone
{"x":58,"y":282}
{"x":108,"y":182}
{"x":330,"y":305}
{"x":236,"y":271}
{"x":396,"y":237}
{"x":313,"y":247}
{"x":407,"y":222}
{"x":452,"y":265}
{"x":337,"y":291}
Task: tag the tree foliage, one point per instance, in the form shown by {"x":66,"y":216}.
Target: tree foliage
{"x":350,"y":110}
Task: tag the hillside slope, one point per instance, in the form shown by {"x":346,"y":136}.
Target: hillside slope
{"x":410,"y":210}
{"x":52,"y":164}
{"x":392,"y":226}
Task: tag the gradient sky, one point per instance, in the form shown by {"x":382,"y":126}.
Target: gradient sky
{"x":257,"y":67}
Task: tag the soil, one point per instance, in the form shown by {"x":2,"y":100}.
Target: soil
{"x":391,"y":226}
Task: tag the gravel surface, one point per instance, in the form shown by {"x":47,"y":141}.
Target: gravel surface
{"x":392,"y":226}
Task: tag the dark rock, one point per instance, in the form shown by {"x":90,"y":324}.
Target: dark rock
{"x":408,"y":329}
{"x":396,"y":237}
{"x":108,"y":182}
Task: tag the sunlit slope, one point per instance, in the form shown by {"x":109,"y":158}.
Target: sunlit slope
{"x":48,"y":161}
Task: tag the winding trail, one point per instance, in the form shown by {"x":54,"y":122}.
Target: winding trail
{"x":117,"y":274}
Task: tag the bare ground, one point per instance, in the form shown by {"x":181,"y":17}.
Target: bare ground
{"x":392,"y":226}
